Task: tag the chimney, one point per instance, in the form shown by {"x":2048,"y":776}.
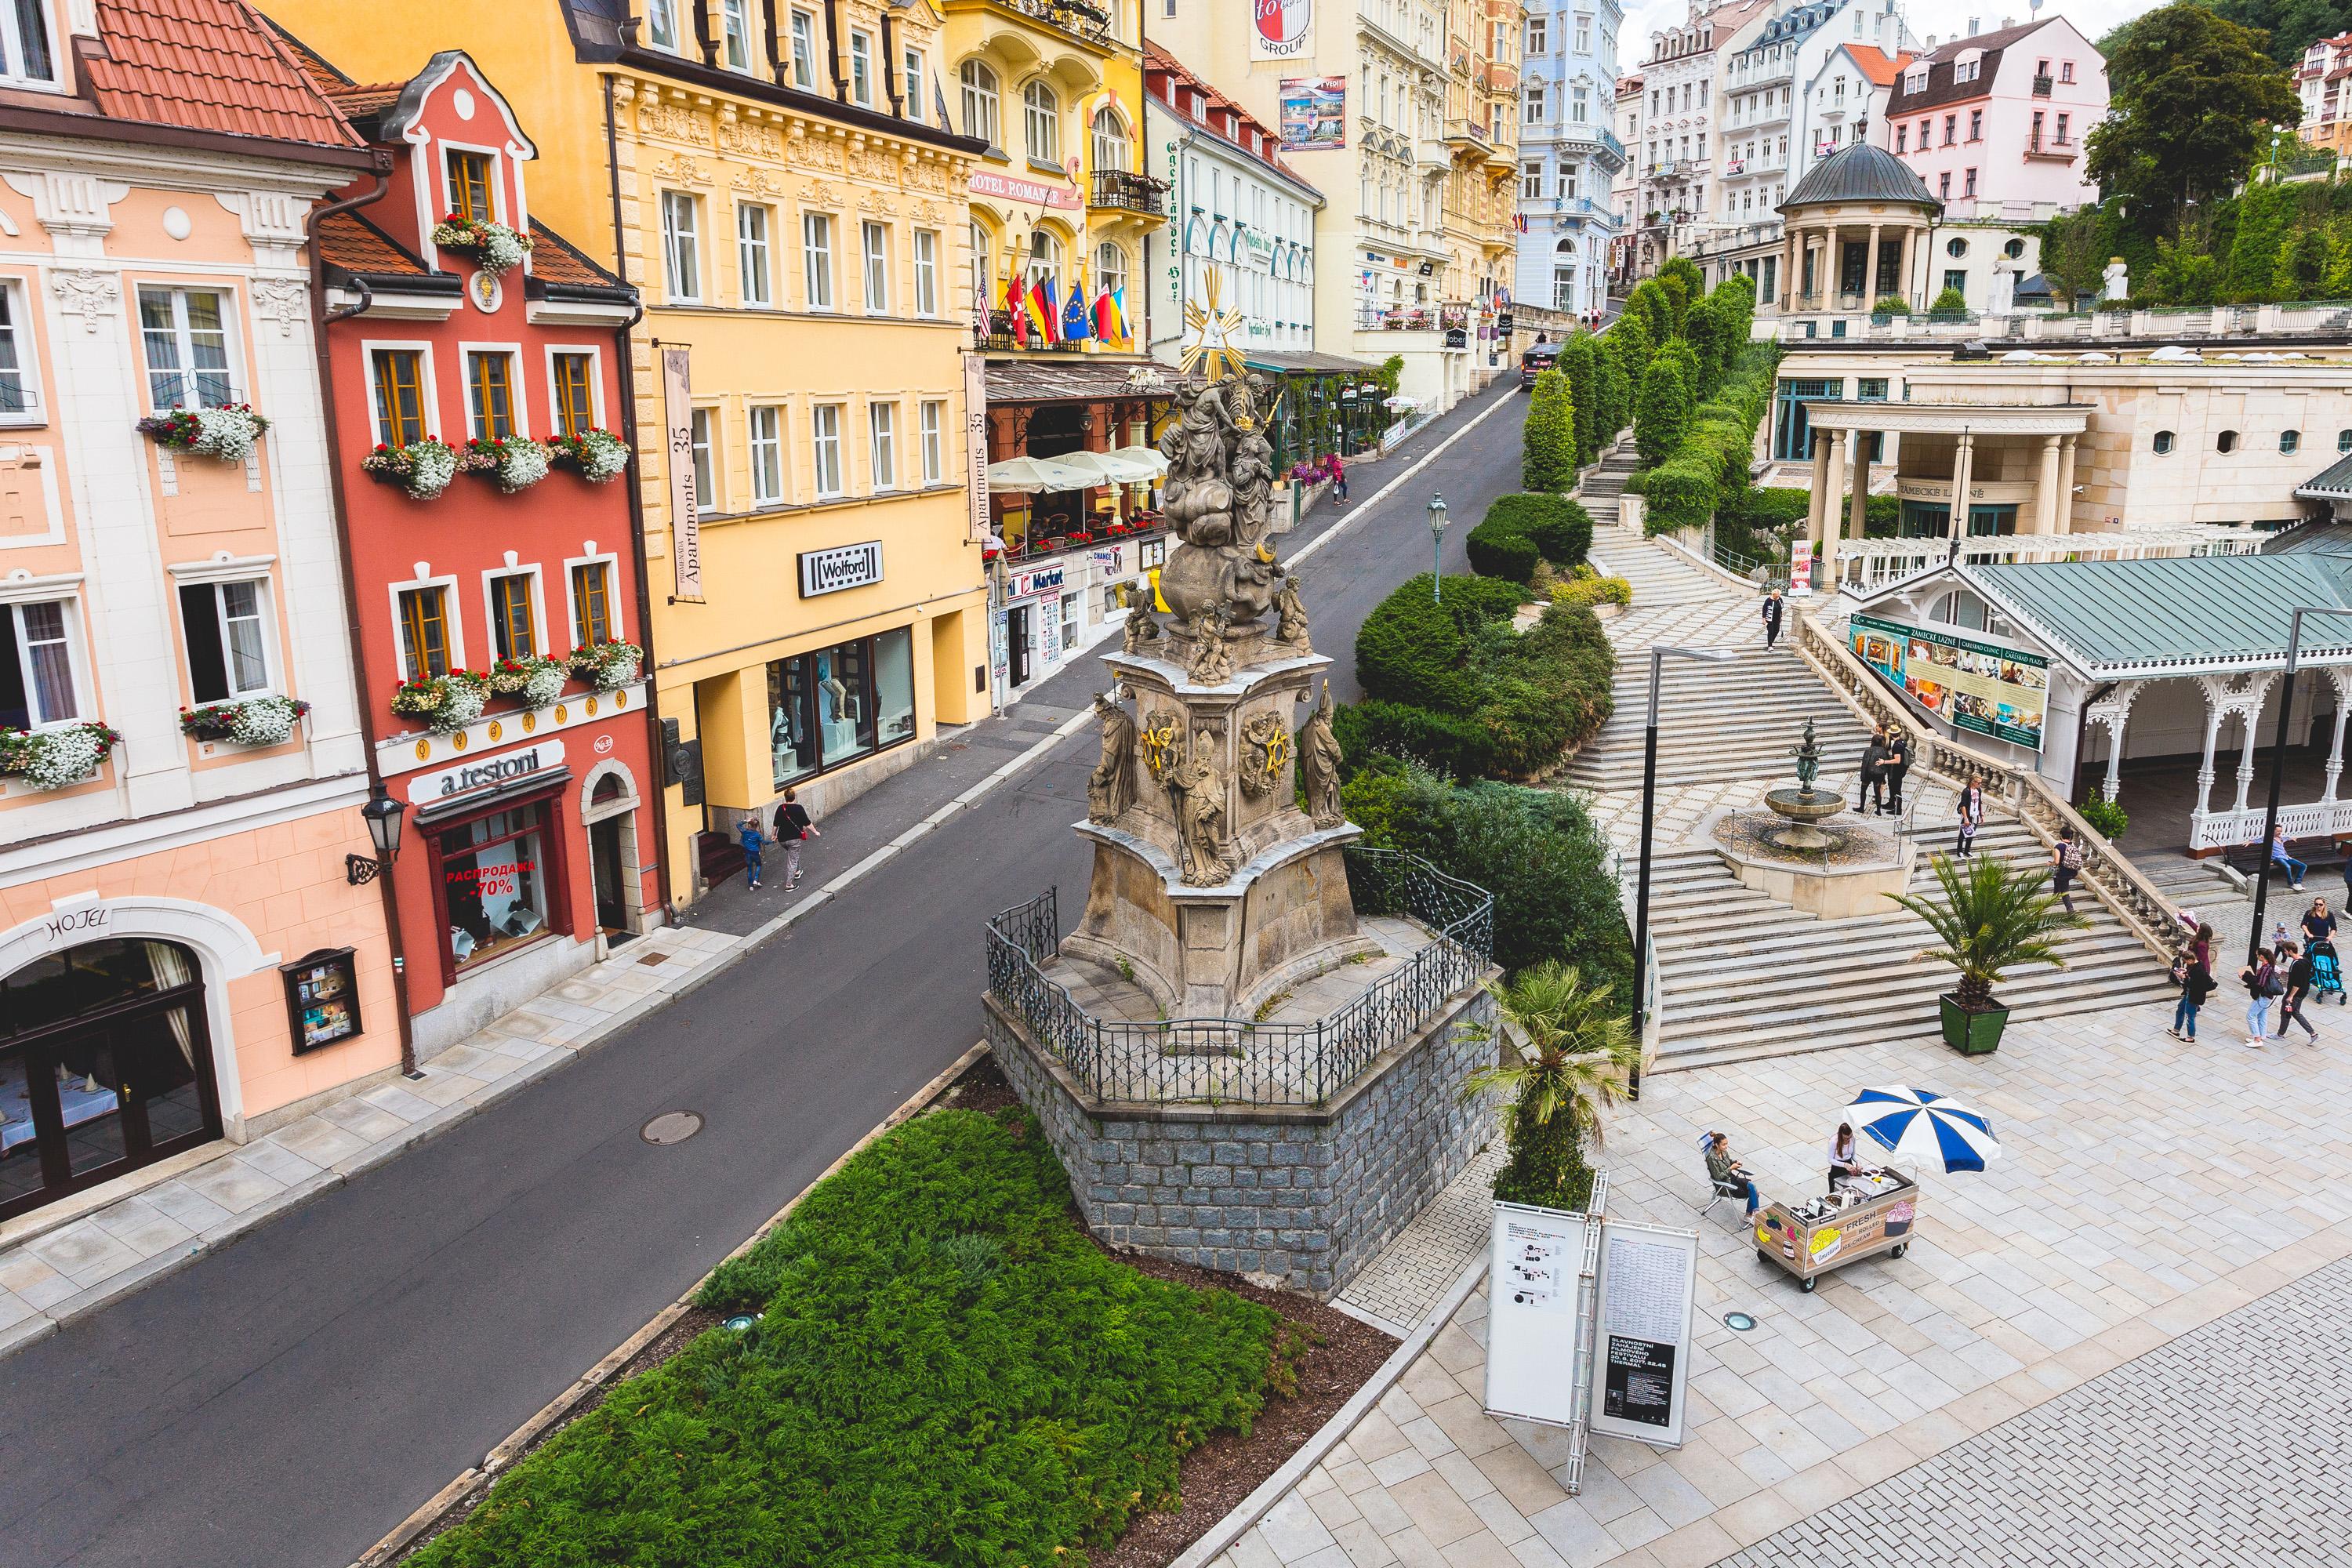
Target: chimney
{"x":1973,"y":26}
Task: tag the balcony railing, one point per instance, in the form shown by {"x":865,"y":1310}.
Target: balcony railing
{"x":1075,"y":17}
{"x":2041,"y":85}
{"x":2057,"y":149}
{"x":1134,"y":192}
{"x":1468,"y":131}
{"x":1371,"y":318}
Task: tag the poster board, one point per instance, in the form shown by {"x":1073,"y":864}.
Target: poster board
{"x":1983,"y":687}
{"x":1642,"y":1340}
{"x":322,"y":998}
{"x":1531,"y":1289}
{"x":685,"y":507}
{"x":1313,"y":113}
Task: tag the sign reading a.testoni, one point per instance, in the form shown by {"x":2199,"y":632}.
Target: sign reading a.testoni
{"x":844,"y":566}
{"x":424,"y":789}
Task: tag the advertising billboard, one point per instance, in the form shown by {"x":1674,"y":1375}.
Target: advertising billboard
{"x":1314,"y":113}
{"x":1978,"y":686}
{"x":1279,"y":29}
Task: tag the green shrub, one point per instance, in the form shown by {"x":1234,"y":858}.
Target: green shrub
{"x":1663,"y":411}
{"x":1581,"y":365}
{"x":1680,"y":492}
{"x":1413,"y":650}
{"x":946,"y":1371}
{"x":1950,"y":302}
{"x":1547,"y":443}
{"x":1457,"y":747}
{"x":1770,"y":508}
{"x":2106,"y":818}
{"x":1500,"y":551}
{"x":1890,"y":305}
{"x":1590,"y":591}
{"x":1560,"y":527}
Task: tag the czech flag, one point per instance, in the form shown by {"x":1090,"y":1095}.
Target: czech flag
{"x":1016,"y":307}
{"x":1108,"y":327}
{"x":1041,"y":309}
{"x":1077,"y":327}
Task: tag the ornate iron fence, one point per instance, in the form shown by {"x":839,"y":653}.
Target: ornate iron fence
{"x":1242,"y":1061}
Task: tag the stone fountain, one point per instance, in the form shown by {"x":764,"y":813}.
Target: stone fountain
{"x":1805,"y":805}
{"x":1796,"y":852}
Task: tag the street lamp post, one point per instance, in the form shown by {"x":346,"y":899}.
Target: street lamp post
{"x":1437,"y":546}
{"x":2278,"y":767}
{"x":1649,"y":816}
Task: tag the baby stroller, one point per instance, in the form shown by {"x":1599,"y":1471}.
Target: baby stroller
{"x":2327,"y":976}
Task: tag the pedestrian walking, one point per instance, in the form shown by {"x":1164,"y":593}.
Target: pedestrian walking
{"x":1772,"y":611}
{"x":2294,"y":867}
{"x":1874,"y":759}
{"x":1971,"y":817}
{"x":2067,"y":863}
{"x":2299,"y":975}
{"x":1898,"y":763}
{"x":2262,"y":984}
{"x":792,"y":826}
{"x":1339,"y":479}
{"x":2196,"y":984}
{"x":748,"y":830}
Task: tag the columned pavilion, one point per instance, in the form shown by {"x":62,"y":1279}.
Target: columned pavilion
{"x":1856,"y":232}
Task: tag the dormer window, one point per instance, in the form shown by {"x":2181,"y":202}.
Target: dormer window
{"x":470,"y":186}
{"x":31,"y":56}
{"x":661,"y":23}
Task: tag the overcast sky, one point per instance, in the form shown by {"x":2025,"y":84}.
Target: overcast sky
{"x":1941,"y":18}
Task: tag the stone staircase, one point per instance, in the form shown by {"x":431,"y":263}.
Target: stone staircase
{"x":1717,"y":723}
{"x":1600,"y":488}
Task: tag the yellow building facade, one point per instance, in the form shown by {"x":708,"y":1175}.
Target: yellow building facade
{"x":779,"y":182}
{"x":1482,"y":125}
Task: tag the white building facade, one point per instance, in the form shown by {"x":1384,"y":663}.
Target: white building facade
{"x":1569,"y":154}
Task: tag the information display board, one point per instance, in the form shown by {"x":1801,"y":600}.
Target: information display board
{"x":1649,"y":1275}
{"x":1980,"y":686}
{"x":1531,"y":1289}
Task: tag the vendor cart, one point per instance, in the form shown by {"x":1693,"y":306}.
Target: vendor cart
{"x":1867,"y":1216}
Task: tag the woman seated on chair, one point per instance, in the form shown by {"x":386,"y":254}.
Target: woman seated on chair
{"x":1727,"y":1173}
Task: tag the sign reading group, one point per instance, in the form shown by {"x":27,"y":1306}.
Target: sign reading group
{"x":1280,"y":28}
{"x":1979,"y":686}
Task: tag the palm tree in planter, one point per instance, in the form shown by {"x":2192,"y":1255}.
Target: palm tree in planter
{"x":1989,"y":918}
{"x":1567,"y":1053}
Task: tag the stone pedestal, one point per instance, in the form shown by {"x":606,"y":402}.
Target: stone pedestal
{"x":1850,"y":875}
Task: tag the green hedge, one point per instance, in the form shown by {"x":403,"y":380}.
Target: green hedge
{"x":1456,"y":748}
{"x":945,"y":1371}
{"x":1521,"y":529}
{"x":1548,"y":438}
{"x":1413,"y":649}
{"x":1709,"y":465}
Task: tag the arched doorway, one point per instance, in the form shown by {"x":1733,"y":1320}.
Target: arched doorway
{"x":106,"y":1065}
{"x":610,"y":812}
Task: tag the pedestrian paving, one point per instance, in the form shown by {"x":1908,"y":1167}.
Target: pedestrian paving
{"x":2143,"y":1199}
{"x":1413,"y":1273}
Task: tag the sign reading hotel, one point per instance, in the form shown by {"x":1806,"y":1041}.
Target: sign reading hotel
{"x":1012,"y":188}
{"x":844,"y":566}
{"x":1280,"y":29}
{"x":1977,"y":686}
{"x":1314,"y":113}
{"x":685,"y":507}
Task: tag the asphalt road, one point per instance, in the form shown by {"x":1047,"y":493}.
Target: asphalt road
{"x":290,"y":1398}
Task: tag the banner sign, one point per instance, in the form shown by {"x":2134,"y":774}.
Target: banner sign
{"x":1314,"y":113}
{"x":1532,"y":1283}
{"x":1012,"y":188}
{"x":1642,"y":1370}
{"x":975,"y":443}
{"x":844,"y":566}
{"x":685,"y":507}
{"x":1280,"y":28}
{"x":1978,"y":686}
{"x":424,"y":789}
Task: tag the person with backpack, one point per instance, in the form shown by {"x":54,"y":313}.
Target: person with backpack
{"x":792,"y":824}
{"x":2196,"y":974}
{"x":2299,"y":975}
{"x":2066,"y":864}
{"x":1971,"y":817}
{"x":748,"y":830}
{"x":1871,"y":774}
{"x":2262,"y":984}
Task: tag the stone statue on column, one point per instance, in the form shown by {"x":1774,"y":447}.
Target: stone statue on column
{"x":1110,"y":788}
{"x":1199,"y":789}
{"x":1319,"y":760}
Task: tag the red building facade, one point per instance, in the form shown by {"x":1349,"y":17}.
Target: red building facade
{"x":475,"y":363}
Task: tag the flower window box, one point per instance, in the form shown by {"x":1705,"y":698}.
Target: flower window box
{"x":445,"y":703}
{"x":226,"y":433}
{"x":535,"y":682}
{"x":56,"y":759}
{"x":607,"y":666}
{"x":595,"y":456}
{"x":423,"y":468}
{"x":494,"y":247}
{"x":253,"y":722}
{"x":513,"y":462}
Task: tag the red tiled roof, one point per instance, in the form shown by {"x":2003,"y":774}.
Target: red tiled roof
{"x":207,"y":65}
{"x":555,"y":259}
{"x":356,"y":99}
{"x":348,"y":241}
{"x":1874,"y":64}
{"x":1160,"y":59}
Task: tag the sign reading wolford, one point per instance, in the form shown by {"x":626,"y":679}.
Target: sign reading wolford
{"x":846,"y":566}
{"x":1280,"y":28}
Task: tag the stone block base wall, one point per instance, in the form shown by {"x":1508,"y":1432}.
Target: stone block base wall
{"x":1302,"y":1198}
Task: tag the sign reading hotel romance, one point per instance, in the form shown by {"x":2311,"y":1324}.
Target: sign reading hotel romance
{"x":975,"y":443}
{"x":427,"y":789}
{"x":685,"y":507}
{"x":1643,"y":1340}
{"x":1314,"y":113}
{"x":1979,"y":686}
{"x":1014,"y":188}
{"x":1280,"y":28}
{"x":844,"y":566}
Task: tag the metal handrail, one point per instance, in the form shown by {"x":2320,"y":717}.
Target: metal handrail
{"x":1243,"y":1061}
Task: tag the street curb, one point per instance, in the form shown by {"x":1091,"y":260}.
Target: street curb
{"x":1313,"y":1452}
{"x":1344,"y":523}
{"x":574,"y":1398}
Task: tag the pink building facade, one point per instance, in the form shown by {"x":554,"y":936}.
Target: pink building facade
{"x":1995,"y":124}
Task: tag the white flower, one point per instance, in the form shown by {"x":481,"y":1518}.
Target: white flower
{"x":431,"y":467}
{"x":522,"y":464}
{"x":227,"y":434}
{"x":545,"y":684}
{"x":264,"y":721}
{"x":502,"y":249}
{"x":57,"y":758}
{"x":461,"y":704}
{"x":601,"y":456}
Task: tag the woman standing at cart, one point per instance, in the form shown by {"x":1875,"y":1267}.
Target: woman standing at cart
{"x":1845,"y":1159}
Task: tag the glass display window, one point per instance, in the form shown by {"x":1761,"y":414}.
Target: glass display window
{"x":836,"y":704}
{"x":494,"y":882}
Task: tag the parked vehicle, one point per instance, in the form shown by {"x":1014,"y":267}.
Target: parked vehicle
{"x":1537,"y":359}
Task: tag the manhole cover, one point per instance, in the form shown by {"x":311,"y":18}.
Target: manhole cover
{"x":671,"y":1127}
{"x":1740,"y":1320}
{"x":653,"y":958}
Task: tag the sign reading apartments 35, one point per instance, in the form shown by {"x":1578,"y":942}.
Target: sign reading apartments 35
{"x":1280,"y":29}
{"x":844,"y":566}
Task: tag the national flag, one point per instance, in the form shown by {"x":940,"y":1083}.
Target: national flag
{"x":1075,"y":327}
{"x":1119,"y":314}
{"x":1107,"y":326}
{"x":1040,"y":313}
{"x":1016,"y":308}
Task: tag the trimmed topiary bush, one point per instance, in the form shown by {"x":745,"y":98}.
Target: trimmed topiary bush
{"x":1411,"y":649}
{"x":1519,"y":530}
{"x":1456,"y":748}
{"x":1501,"y":552}
{"x":1580,"y":364}
{"x":1663,"y":411}
{"x":1547,"y":444}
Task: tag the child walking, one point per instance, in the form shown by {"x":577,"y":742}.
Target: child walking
{"x":748,"y":830}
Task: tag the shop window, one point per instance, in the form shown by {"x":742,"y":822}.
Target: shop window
{"x":424,"y":631}
{"x":399,"y":398}
{"x":755,"y":273}
{"x":514,"y":618}
{"x":817,"y":258}
{"x":470,"y":186}
{"x":766,"y":426}
{"x":186,"y":341}
{"x":39,"y":682}
{"x":1071,"y":619}
{"x":572,"y":390}
{"x":591,"y":603}
{"x":927,"y":272}
{"x":2289,"y":440}
{"x":934,"y":419}
{"x":882,"y":420}
{"x":706,"y":461}
{"x":493,"y":882}
{"x":489,"y":395}
{"x":681,"y":220}
{"x":2227,"y":441}
{"x":825,"y":441}
{"x":803,"y":50}
{"x":225,"y":627}
{"x":837,"y":704}
{"x":2164,"y":441}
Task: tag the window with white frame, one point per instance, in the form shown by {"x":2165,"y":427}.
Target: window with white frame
{"x":681,"y":220}
{"x":1110,"y":141}
{"x":817,"y":258}
{"x":1110,"y":268}
{"x":735,"y":34}
{"x":1584,"y":35}
{"x":1534,"y":105}
{"x":927,"y":272}
{"x":932,"y":422}
{"x":767,"y":430}
{"x":824,"y":447}
{"x":706,"y":460}
{"x":804,"y":32}
{"x":514,"y":614}
{"x":17,"y":395}
{"x":1531,"y":182}
{"x":754,"y":265}
{"x":861,"y":70}
{"x":1536,"y":34}
{"x":882,"y":425}
{"x":914,"y":88}
{"x":30,"y":51}
{"x":983,"y":269}
{"x":661,"y":23}
{"x":425,"y":645}
{"x":1045,"y":257}
{"x":873,"y":251}
{"x":596,"y":614}
{"x":1041,"y":118}
{"x":39,"y":682}
{"x":186,"y":334}
{"x":225,"y":628}
{"x":978,"y":84}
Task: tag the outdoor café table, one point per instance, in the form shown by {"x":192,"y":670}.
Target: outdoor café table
{"x":1866,"y":1216}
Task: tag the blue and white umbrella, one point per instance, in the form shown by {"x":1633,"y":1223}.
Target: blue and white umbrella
{"x":1922,"y":1124}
